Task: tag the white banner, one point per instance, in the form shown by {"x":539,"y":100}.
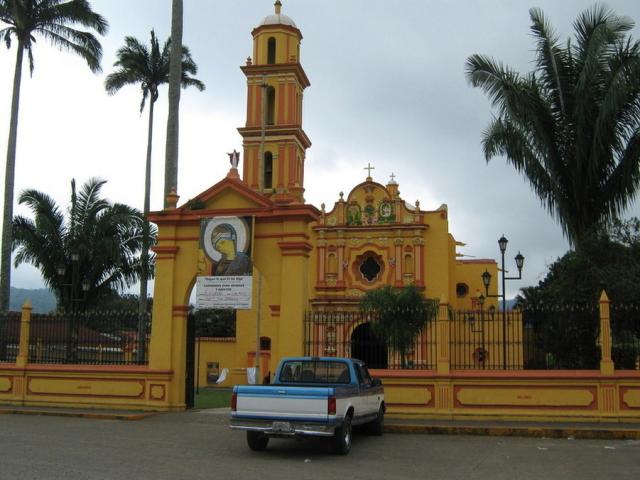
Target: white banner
{"x":224,"y":292}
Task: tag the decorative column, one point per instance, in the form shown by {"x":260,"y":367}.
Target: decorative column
{"x":25,"y":327}
{"x":442,"y":340}
{"x":341,"y":242}
{"x":607,"y":392}
{"x":606,"y":363}
{"x":443,"y":387}
{"x":397,"y":280}
{"x":418,"y":258}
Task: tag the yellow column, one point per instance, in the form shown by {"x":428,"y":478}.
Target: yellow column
{"x":443,"y":388}
{"x":25,"y":327}
{"x":442,"y":343}
{"x":606,"y":363}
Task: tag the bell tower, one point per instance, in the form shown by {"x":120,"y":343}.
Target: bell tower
{"x":273,"y":139}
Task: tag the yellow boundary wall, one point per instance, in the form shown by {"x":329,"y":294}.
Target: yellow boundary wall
{"x":514,"y":395}
{"x":603,"y":395}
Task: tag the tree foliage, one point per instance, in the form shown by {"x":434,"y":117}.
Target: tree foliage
{"x":564,"y":304}
{"x":24,"y":21}
{"x":572,"y":126}
{"x":398,"y":315}
{"x":106,"y":238}
{"x":215,"y":323}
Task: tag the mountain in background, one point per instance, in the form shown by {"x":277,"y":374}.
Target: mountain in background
{"x":42,"y":299}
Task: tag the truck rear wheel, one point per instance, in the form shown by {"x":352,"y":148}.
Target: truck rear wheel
{"x":257,"y":441}
{"x":377,"y":426}
{"x":342,"y":437}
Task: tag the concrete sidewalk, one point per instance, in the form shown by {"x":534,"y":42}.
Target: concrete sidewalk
{"x":77,"y":412}
{"x":502,"y":428}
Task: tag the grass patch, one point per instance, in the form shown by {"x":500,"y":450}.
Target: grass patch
{"x":213,"y":398}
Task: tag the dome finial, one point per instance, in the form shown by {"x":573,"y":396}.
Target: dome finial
{"x":278,"y":6}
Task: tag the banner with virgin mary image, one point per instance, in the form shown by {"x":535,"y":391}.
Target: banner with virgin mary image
{"x":227,"y":242}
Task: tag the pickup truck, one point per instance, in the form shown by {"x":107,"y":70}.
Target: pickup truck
{"x":310,"y":396}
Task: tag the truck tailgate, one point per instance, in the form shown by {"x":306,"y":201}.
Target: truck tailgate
{"x":283,"y":403}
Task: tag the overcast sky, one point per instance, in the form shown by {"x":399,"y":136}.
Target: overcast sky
{"x":387,"y":87}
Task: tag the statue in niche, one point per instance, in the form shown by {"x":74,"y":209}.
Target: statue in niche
{"x":354,"y":215}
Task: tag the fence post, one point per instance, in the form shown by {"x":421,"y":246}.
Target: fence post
{"x":606,"y":363}
{"x":25,"y":327}
{"x":443,"y":344}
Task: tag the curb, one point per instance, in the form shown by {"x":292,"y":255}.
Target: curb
{"x":92,"y":415}
{"x":535,"y":432}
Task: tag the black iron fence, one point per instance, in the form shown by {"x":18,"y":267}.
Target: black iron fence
{"x":485,"y":339}
{"x":536,"y":338}
{"x":96,"y":338}
{"x":9,"y":336}
{"x":625,"y":336}
{"x":350,"y":334}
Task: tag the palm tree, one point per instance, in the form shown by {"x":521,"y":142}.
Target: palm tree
{"x":171,"y":150}
{"x":95,"y":248}
{"x":53,"y":20}
{"x":399,"y":314}
{"x":572,"y":126}
{"x":149,"y":67}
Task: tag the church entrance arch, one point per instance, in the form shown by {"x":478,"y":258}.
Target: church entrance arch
{"x":367,"y":347}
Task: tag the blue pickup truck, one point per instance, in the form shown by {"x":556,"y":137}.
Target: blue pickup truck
{"x":310,"y":396}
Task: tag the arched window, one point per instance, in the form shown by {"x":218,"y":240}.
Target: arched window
{"x":271,"y":105}
{"x":268,"y":170}
{"x":271,"y":51}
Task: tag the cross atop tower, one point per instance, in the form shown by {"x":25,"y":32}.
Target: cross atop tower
{"x":369,"y":168}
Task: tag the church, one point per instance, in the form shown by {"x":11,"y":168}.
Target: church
{"x":306,"y":260}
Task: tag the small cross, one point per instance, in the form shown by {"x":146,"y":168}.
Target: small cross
{"x":393,"y":177}
{"x":369,"y":168}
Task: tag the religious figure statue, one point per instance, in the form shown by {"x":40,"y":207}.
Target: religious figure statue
{"x":234,"y":158}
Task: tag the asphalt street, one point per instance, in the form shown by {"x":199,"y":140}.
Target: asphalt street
{"x":198,"y":445}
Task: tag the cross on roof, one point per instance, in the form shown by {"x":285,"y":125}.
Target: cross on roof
{"x":369,"y":168}
{"x":393,"y":177}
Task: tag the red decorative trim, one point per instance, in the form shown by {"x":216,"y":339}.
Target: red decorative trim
{"x":165,"y":252}
{"x":180,"y":310}
{"x":478,"y":261}
{"x":275,"y":310}
{"x":277,"y":26}
{"x":96,"y":369}
{"x":295,"y":248}
{"x":295,"y":68}
{"x":283,"y":235}
{"x":279,"y":130}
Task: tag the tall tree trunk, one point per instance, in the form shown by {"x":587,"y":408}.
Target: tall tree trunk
{"x":144,"y":256}
{"x":175,"y":75}
{"x":10,"y":170}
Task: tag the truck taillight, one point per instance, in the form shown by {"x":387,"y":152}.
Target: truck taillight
{"x":331,"y":405}
{"x":234,"y":402}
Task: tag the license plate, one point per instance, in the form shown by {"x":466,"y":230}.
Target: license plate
{"x":282,"y":427}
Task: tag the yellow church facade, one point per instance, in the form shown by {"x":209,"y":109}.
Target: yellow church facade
{"x":306,"y":259}
{"x":308,"y":268}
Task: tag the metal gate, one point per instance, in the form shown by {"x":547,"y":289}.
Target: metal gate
{"x":189,"y":378}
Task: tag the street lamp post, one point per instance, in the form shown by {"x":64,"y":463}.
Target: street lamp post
{"x":486,"y":280}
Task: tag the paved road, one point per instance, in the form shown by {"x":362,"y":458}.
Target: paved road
{"x":198,"y":445}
